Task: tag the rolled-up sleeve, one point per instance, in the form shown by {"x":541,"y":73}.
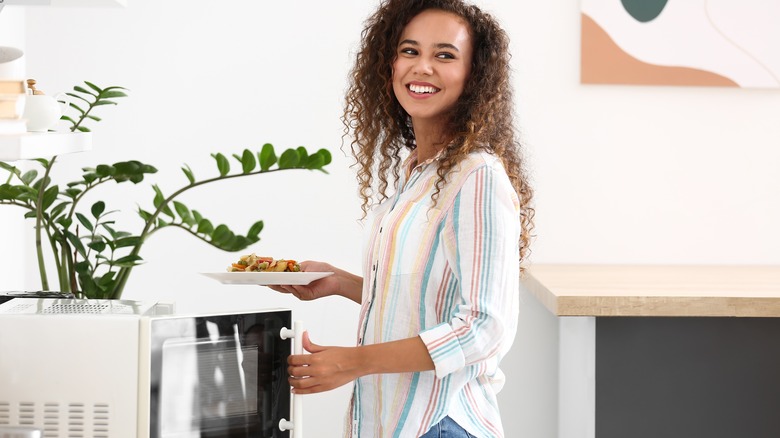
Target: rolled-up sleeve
{"x":481,"y":238}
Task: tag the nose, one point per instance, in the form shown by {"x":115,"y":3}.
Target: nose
{"x":423,"y":66}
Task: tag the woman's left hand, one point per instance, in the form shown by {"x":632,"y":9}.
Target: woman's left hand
{"x":324,"y":369}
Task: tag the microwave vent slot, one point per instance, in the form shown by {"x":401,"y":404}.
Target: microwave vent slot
{"x":26,"y":414}
{"x":89,"y":308}
{"x":79,"y":308}
{"x":5,"y":413}
{"x":74,"y":420}
{"x":51,"y":420}
{"x":18,"y":308}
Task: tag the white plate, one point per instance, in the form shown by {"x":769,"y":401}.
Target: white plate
{"x":266,"y":278}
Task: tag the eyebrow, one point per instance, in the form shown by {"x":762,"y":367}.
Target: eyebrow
{"x":437,"y":45}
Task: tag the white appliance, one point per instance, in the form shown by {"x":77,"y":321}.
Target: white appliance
{"x":114,"y":369}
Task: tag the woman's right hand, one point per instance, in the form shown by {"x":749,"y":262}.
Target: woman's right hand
{"x":340,"y":283}
{"x":316,"y":289}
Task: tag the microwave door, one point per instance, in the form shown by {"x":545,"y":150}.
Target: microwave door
{"x":220,"y":376}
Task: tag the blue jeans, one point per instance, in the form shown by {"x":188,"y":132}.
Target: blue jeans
{"x":447,"y":428}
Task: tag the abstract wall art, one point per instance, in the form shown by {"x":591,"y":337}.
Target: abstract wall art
{"x":724,"y":43}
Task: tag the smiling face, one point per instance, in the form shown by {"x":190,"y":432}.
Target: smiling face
{"x":433,"y":61}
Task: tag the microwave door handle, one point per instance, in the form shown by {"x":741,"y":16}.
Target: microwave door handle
{"x":296,"y":425}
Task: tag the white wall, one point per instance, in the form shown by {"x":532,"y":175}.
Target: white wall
{"x":622,"y":174}
{"x":12,"y":266}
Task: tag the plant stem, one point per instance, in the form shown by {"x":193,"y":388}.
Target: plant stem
{"x":84,"y":116}
{"x":54,"y":251}
{"x":39,"y":225}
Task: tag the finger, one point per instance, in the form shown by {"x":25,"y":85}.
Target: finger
{"x":298,"y":291}
{"x":298,"y":360}
{"x":310,"y":390}
{"x":285,"y":289}
{"x":310,"y":346}
{"x":297,"y":372}
{"x":305,"y":383}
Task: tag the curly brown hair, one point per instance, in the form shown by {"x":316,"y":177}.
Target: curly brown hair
{"x":482,"y":118}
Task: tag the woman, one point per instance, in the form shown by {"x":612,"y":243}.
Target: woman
{"x":439,"y":294}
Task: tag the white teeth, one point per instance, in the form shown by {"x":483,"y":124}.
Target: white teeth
{"x":422,"y":89}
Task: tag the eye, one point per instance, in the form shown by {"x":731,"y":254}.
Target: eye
{"x":445,"y":55}
{"x":408,"y":51}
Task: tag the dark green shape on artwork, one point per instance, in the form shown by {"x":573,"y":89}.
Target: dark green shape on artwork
{"x":644,"y":10}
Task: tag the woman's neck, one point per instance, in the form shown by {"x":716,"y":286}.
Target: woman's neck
{"x":429,"y":139}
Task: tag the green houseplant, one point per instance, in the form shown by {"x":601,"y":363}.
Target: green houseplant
{"x":92,"y":258}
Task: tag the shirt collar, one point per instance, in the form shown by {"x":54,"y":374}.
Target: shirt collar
{"x":410,"y":164}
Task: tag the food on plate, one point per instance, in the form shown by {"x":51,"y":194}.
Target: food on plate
{"x":254,"y":263}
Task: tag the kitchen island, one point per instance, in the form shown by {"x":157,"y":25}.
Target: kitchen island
{"x":652,"y":351}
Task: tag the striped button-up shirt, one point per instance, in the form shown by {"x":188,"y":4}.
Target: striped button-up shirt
{"x":448,"y":273}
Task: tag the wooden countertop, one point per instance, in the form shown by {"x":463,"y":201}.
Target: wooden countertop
{"x":649,"y":290}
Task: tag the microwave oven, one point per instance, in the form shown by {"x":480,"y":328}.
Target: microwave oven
{"x":74,"y":368}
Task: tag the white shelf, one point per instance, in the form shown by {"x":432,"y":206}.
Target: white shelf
{"x":30,"y":145}
{"x":68,"y":3}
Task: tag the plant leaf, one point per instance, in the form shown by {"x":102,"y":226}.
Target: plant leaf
{"x":78,"y":96}
{"x":65,"y":222}
{"x":128,"y":241}
{"x":145,"y":215}
{"x":188,"y":173}
{"x":184,"y":213}
{"x":84,"y":221}
{"x":7,"y":191}
{"x":112,"y":94}
{"x":222,"y":164}
{"x":56,"y":211}
{"x":97,"y":245}
{"x":106,"y":280}
{"x":221,"y":234}
{"x":76,"y":242}
{"x":303,"y":155}
{"x":104,"y":170}
{"x":104,"y":102}
{"x":205,"y":227}
{"x":115,"y":234}
{"x":43,"y":182}
{"x":289,"y":159}
{"x":10,"y":168}
{"x":49,"y":196}
{"x":128,"y":261}
{"x":255,"y":229}
{"x":98,"y":208}
{"x":29,"y":176}
{"x":326,"y":156}
{"x":77,"y":108}
{"x":267,"y":157}
{"x":248,"y":161}
{"x":315,"y":161}
{"x":159,"y":200}
{"x":94,"y":87}
{"x":81,"y":89}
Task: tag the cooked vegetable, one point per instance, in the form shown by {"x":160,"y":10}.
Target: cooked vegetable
{"x":254,"y":263}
